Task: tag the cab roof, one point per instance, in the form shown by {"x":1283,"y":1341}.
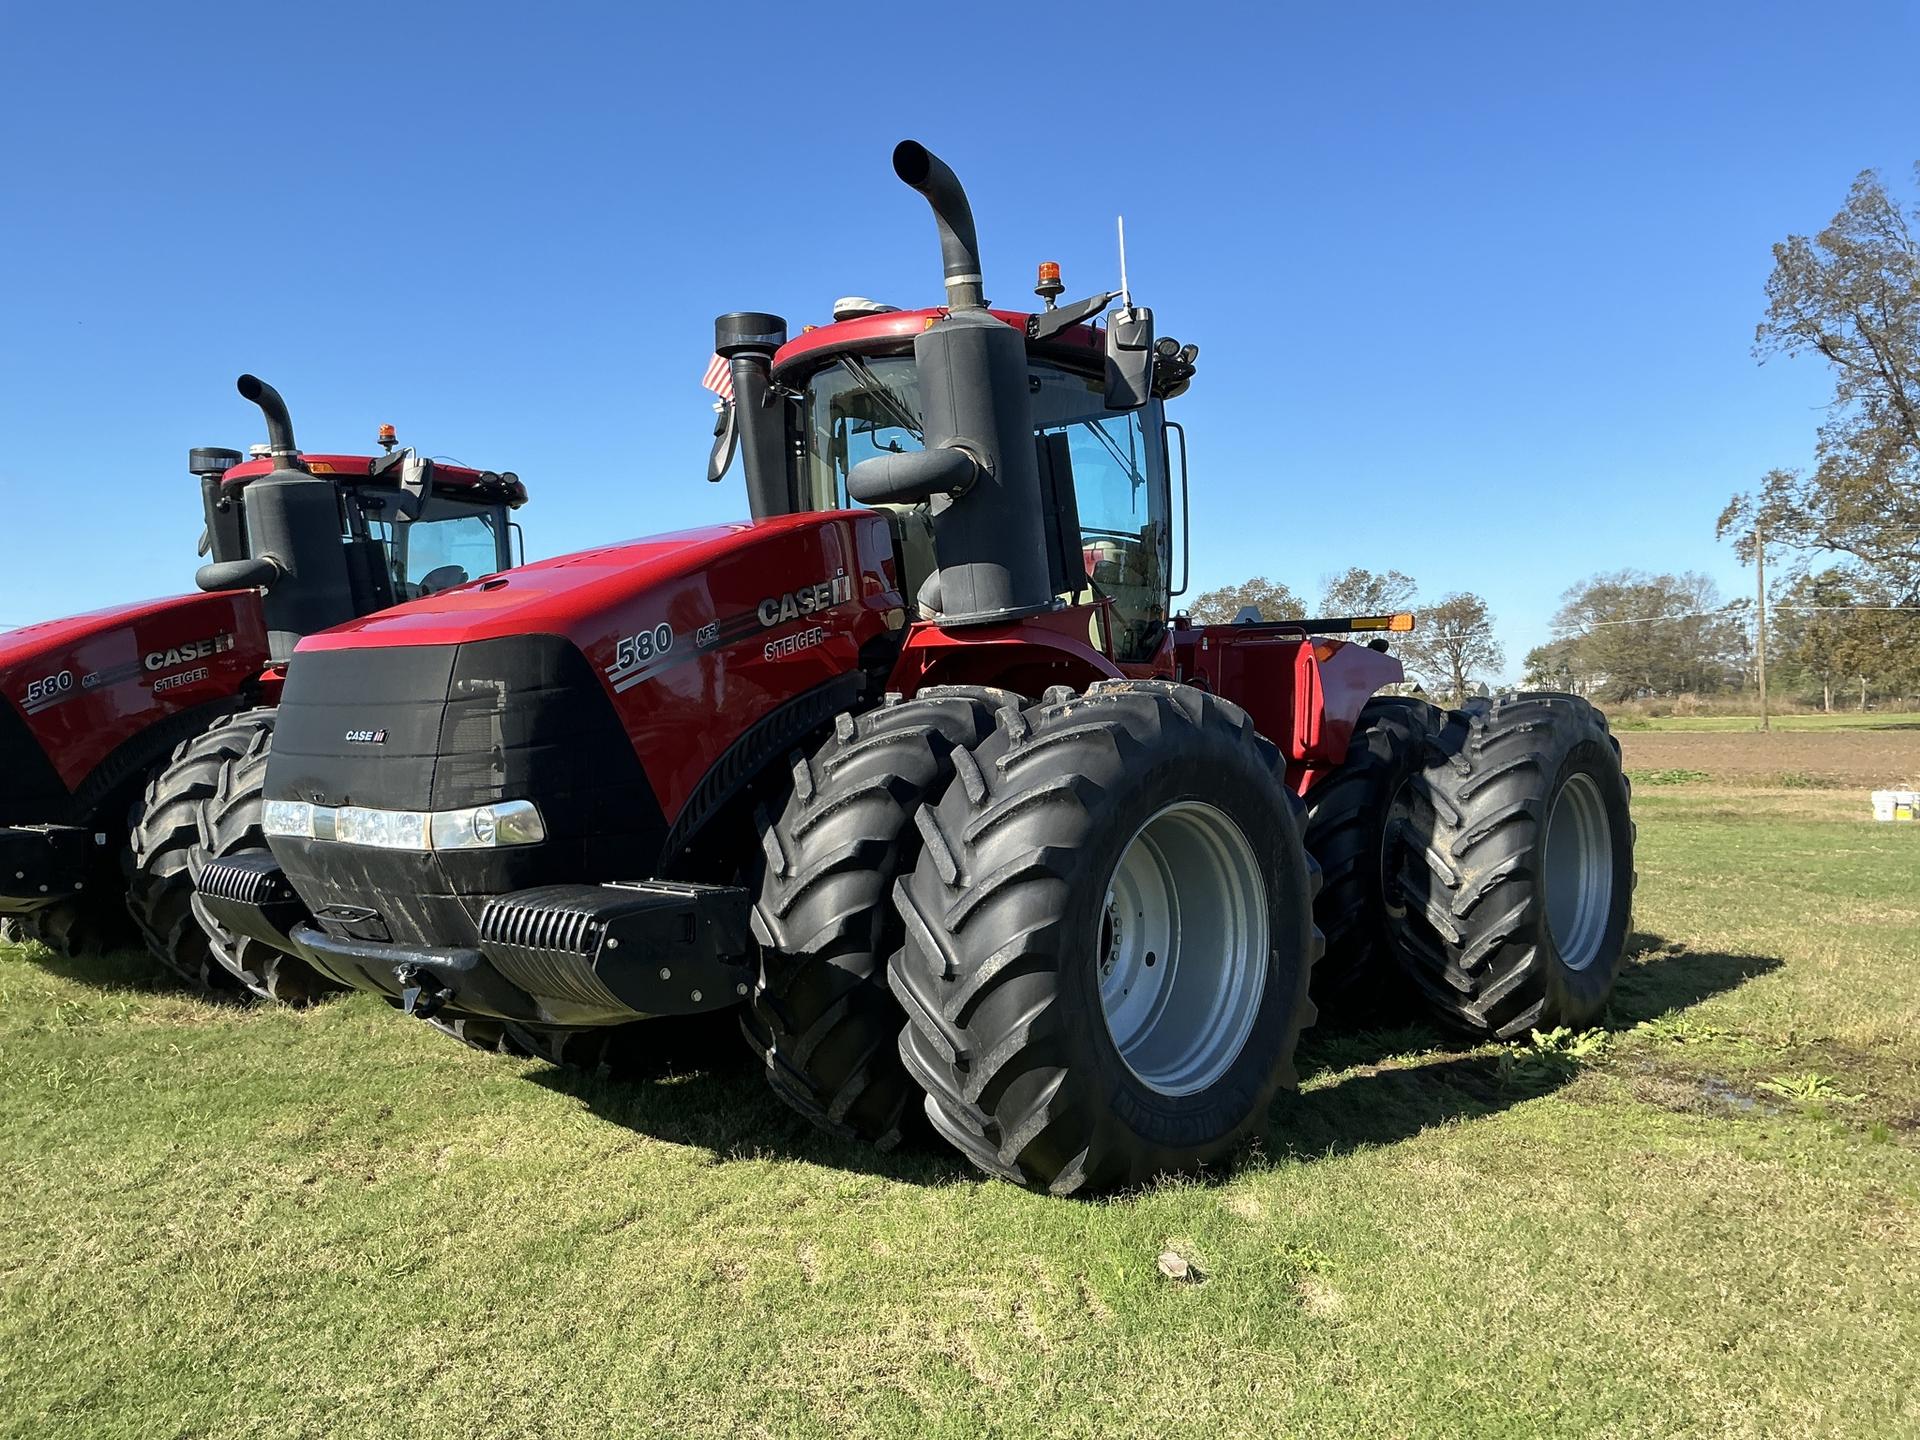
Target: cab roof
{"x":451,"y":480}
{"x":1078,"y":347}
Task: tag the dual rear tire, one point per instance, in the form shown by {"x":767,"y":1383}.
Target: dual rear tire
{"x":1103,"y":914}
{"x":1515,"y":895}
{"x":1108,"y":915}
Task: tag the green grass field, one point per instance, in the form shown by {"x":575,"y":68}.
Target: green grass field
{"x":1701,"y":1220}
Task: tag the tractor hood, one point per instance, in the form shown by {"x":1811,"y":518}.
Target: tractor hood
{"x":86,"y":688}
{"x":581,"y":595}
{"x":626,"y":692}
{"x":690,"y":639}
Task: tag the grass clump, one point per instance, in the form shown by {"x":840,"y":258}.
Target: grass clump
{"x":1668,"y":777}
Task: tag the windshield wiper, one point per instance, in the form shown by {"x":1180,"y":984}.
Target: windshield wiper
{"x":902,"y":415}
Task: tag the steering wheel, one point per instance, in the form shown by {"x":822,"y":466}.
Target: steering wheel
{"x":444,"y":577}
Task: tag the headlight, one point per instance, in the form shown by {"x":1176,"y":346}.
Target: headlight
{"x":287,"y":817}
{"x":382,"y":829}
{"x":511,"y":822}
{"x":480,"y":827}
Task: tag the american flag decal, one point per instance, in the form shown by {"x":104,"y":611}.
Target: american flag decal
{"x":719,"y":378}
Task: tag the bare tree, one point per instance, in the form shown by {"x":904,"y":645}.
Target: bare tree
{"x":1366,"y":592}
{"x":1272,"y":599}
{"x":1453,"y":645}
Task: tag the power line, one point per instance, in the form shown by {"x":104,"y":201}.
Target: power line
{"x":1731,"y":613}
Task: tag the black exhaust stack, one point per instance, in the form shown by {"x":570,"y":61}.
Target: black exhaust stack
{"x":746,"y":340}
{"x":979,"y":467}
{"x":294,"y":549}
{"x":286,"y":455}
{"x":959,"y":243}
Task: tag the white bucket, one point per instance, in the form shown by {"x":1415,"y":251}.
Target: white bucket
{"x":1896,"y":804}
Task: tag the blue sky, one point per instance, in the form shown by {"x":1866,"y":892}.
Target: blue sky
{"x":1474,"y":286}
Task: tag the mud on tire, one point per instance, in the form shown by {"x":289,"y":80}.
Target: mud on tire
{"x":1017,"y":919}
{"x":1517,"y":878}
{"x":822,"y":1019}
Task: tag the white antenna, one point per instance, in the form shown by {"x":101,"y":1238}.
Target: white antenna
{"x":1126,"y":297}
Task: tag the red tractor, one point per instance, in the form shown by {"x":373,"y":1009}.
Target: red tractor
{"x":96,"y":704}
{"x":938,"y":789}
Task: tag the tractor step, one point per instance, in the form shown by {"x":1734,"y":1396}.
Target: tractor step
{"x":40,"y":864}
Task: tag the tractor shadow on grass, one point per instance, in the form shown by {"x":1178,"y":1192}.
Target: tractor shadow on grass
{"x":702,"y":1088}
{"x":1400,"y":1081}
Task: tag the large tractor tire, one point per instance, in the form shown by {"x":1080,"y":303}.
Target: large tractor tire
{"x":1109,"y":939}
{"x":88,"y":924}
{"x":230,"y":822}
{"x":1352,"y":830}
{"x":1517,"y":879}
{"x":166,"y":828}
{"x":822,"y":1019}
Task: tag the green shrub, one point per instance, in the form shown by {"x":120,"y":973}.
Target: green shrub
{"x":1667,"y":777}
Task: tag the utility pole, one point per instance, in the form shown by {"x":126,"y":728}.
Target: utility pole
{"x":1760,"y":631}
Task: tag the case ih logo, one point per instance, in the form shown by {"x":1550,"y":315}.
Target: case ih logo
{"x":188,"y":653}
{"x":367,"y":737}
{"x":795,"y":603}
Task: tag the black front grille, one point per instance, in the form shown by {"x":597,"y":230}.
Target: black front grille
{"x":30,"y":788}
{"x":444,"y":727}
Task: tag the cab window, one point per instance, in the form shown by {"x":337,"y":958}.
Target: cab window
{"x":1124,"y":539}
{"x":858,"y":408}
{"x":450,"y":543}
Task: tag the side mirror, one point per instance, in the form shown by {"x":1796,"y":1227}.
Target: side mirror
{"x":726,"y":435}
{"x":1129,"y":358}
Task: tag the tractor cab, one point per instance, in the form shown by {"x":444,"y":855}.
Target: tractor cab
{"x":458,"y":529}
{"x":849,"y":393}
{"x":329,"y":538}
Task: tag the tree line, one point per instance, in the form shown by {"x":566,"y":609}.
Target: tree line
{"x":1453,"y":653}
{"x":1843,"y":616}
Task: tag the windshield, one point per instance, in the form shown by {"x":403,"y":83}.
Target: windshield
{"x":452,"y":542}
{"x":856,"y":409}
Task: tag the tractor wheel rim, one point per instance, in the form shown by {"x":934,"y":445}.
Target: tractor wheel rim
{"x":1577,"y":869}
{"x":1182,"y":948}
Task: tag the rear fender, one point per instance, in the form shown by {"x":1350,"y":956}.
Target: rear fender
{"x":1305,"y":696}
{"x":1024,"y":656}
{"x":1335,"y":679}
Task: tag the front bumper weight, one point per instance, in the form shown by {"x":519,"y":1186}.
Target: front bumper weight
{"x":574,"y":955}
{"x":248,"y":894}
{"x":654,"y":947}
